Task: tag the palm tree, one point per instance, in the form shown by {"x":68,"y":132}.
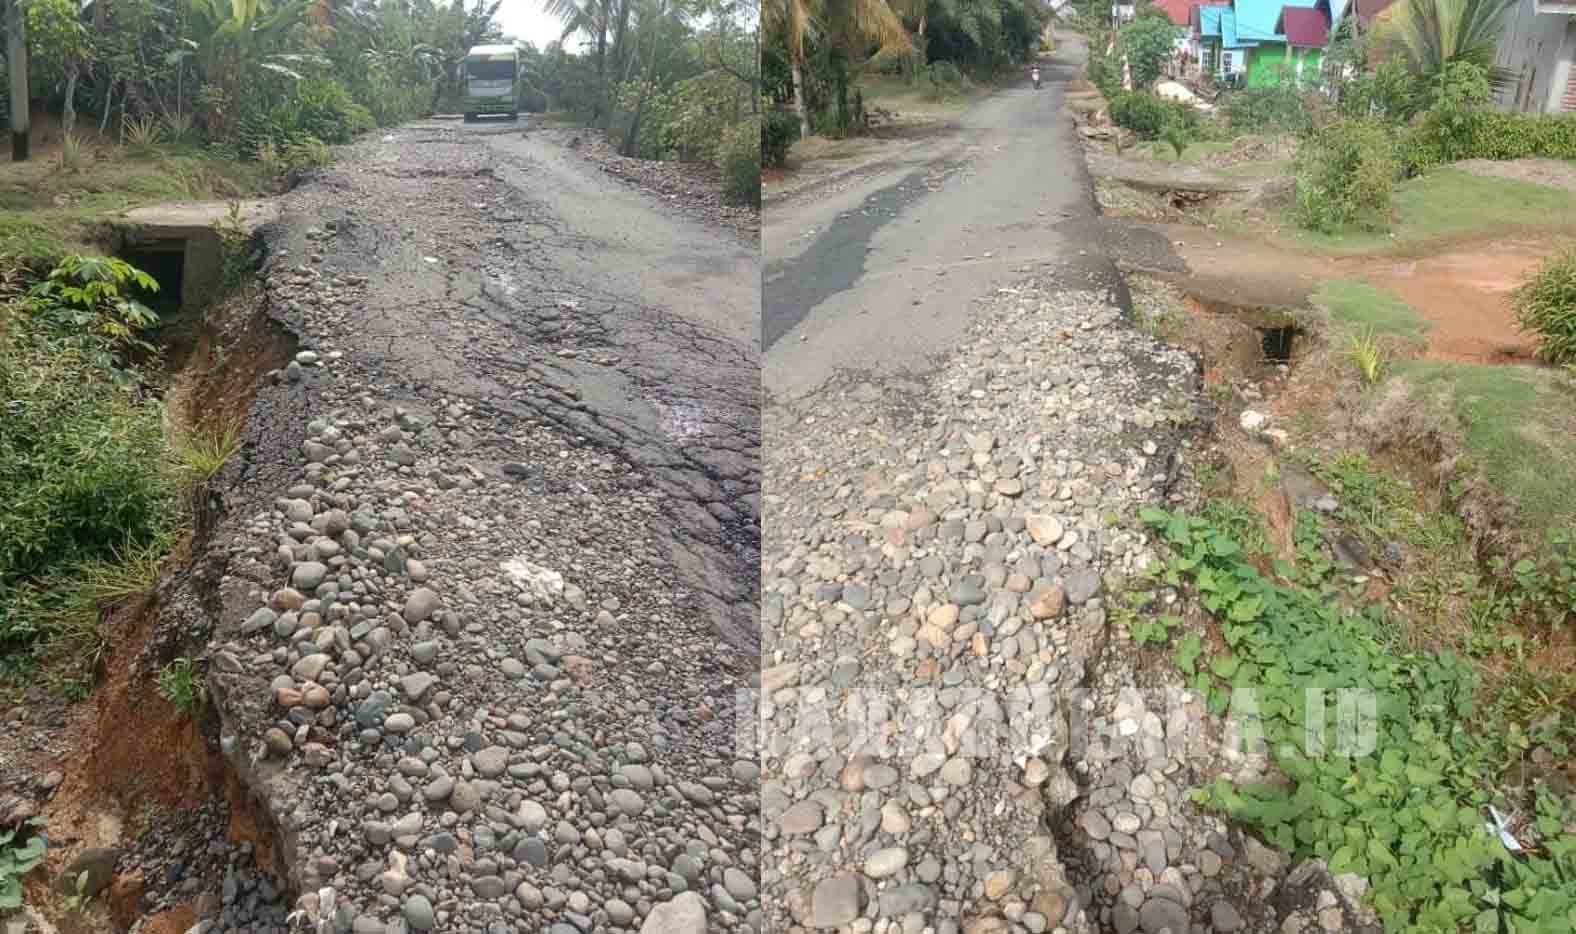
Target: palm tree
{"x":1437,"y":33}
{"x":836,"y":21}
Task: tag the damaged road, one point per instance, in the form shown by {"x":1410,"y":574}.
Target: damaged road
{"x":486,"y":566}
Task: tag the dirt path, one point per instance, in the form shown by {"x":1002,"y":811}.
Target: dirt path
{"x":1463,"y":294}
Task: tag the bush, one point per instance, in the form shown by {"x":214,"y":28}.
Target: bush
{"x":779,"y":132}
{"x":1446,"y":136}
{"x":1546,"y":305}
{"x":81,"y":472}
{"x":1346,"y":173}
{"x":1255,"y":110}
{"x":1149,"y":41}
{"x":741,"y":163}
{"x":1149,"y":115}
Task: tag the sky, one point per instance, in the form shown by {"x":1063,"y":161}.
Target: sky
{"x":524,"y":19}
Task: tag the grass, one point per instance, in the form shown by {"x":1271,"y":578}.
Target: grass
{"x":1517,"y":429}
{"x":1196,"y":151}
{"x":1450,"y":203}
{"x":1360,"y":306}
{"x":180,"y":683}
{"x":917,"y":99}
{"x":202,"y":454}
{"x":1264,"y":168}
{"x":46,"y":213}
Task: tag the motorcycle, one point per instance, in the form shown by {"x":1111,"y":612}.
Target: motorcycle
{"x":1035,"y":74}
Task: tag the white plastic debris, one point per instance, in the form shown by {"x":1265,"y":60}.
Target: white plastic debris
{"x":543,"y":583}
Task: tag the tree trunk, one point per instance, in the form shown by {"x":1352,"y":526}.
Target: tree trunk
{"x":798,"y":100}
{"x":16,"y":60}
{"x":68,"y":113}
{"x":109,"y":103}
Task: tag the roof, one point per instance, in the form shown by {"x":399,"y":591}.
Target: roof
{"x":1209,"y":16}
{"x":492,"y":50}
{"x":1178,"y":11}
{"x":1230,"y":34}
{"x":1305,"y":27}
{"x":1257,"y":19}
{"x":1368,"y":9}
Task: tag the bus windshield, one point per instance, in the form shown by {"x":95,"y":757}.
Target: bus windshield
{"x":490,"y":71}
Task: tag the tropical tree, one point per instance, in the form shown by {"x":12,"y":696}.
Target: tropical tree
{"x":835,"y":23}
{"x":1433,"y":34}
{"x":61,"y":49}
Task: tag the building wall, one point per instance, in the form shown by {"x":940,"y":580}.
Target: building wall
{"x":1269,"y":66}
{"x":1538,"y":49}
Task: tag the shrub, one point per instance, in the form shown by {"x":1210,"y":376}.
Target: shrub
{"x":1255,"y":110}
{"x":82,"y":473}
{"x":1149,"y":115}
{"x":1149,"y":40}
{"x":1345,"y":175}
{"x":1446,"y":136}
{"x":741,"y":163}
{"x":779,"y":132}
{"x":1546,"y":304}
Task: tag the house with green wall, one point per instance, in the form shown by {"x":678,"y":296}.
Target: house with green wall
{"x":1263,"y":43}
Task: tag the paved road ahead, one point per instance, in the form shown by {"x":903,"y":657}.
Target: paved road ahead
{"x":880,"y":275}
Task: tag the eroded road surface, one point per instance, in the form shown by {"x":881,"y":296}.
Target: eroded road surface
{"x":963,"y":423}
{"x":490,"y":551}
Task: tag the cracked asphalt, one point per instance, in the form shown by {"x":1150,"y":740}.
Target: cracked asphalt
{"x":504,"y":269}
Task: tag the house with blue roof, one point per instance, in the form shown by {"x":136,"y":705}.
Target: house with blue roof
{"x":1263,"y":43}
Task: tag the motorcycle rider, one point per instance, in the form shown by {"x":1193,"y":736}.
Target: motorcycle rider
{"x":1034,"y":73}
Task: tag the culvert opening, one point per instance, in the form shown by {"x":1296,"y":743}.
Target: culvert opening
{"x":1278,"y":343}
{"x":166,"y":263}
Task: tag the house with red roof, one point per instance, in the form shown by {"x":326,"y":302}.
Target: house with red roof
{"x":1262,"y":43}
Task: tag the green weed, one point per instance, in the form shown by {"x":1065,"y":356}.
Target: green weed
{"x":1546,"y":306}
{"x":1407,"y":813}
{"x":1240,"y":520}
{"x":180,"y":683}
{"x":1368,"y":355}
{"x":201,"y":455}
{"x":70,"y":154}
{"x":21,"y":850}
{"x":141,"y":136}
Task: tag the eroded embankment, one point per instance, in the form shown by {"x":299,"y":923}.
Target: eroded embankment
{"x":457,"y":657}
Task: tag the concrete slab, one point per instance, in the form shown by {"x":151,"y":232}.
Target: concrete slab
{"x":179,"y":219}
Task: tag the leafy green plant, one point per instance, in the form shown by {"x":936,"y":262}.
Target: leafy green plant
{"x":1405,"y":810}
{"x":70,"y":154}
{"x":1546,"y":306}
{"x":141,"y":135}
{"x":86,"y":301}
{"x":741,"y":164}
{"x":77,"y":900}
{"x":21,"y":850}
{"x":202,"y":454}
{"x":1367,"y":353}
{"x":178,"y":127}
{"x":1149,"y":115}
{"x":1282,"y":107}
{"x":82,"y":480}
{"x":1148,"y":40}
{"x":1177,"y":139}
{"x":180,"y":683}
{"x":234,"y":240}
{"x":779,"y":132}
{"x":1346,"y":173}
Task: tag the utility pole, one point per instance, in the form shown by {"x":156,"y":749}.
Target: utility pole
{"x":16,"y":63}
